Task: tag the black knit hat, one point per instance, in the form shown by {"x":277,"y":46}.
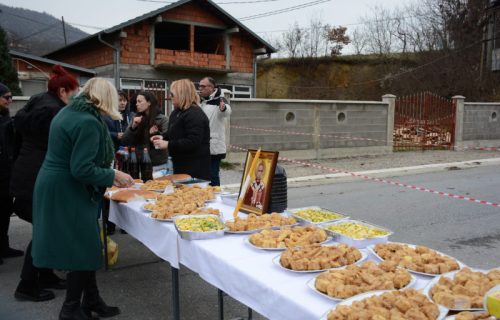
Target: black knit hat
{"x":3,"y":89}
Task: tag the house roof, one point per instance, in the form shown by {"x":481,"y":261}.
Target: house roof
{"x":50,"y":61}
{"x":269,"y":48}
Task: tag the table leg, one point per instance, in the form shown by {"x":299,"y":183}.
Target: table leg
{"x":220,"y":298}
{"x":105,"y":216}
{"x":175,"y":293}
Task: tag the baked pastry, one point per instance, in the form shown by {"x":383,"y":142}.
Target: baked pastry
{"x":133,"y":194}
{"x":408,"y":304}
{"x":317,"y":257}
{"x":420,"y":258}
{"x":466,"y":290}
{"x":253,"y":222}
{"x":288,"y":237}
{"x":466,"y":315}
{"x":354,"y":279}
{"x":175,"y":177}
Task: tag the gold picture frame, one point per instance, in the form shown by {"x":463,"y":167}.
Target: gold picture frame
{"x":258,"y":193}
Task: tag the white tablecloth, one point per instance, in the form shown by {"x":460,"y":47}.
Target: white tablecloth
{"x":228,"y":263}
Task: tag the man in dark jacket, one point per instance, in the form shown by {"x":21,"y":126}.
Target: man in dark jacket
{"x":6,"y":158}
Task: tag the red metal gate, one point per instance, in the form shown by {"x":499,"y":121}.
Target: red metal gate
{"x":424,"y":121}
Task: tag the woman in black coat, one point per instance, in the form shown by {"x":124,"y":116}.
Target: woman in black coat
{"x":32,"y":125}
{"x":188,"y":136}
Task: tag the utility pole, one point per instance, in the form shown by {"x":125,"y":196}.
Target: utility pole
{"x":64,"y":31}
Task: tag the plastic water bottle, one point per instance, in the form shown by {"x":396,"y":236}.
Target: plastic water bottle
{"x":133,"y":167}
{"x":170,"y":166}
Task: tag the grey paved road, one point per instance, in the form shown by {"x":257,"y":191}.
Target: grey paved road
{"x":140,"y":284}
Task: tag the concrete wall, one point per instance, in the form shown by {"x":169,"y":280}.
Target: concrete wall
{"x":481,"y":121}
{"x":323,"y":129}
{"x":17,"y":103}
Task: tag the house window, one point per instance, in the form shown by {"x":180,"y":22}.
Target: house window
{"x":237,"y":91}
{"x":133,"y":86}
{"x":208,"y":40}
{"x":173,"y":36}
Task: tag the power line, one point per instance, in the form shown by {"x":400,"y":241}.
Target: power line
{"x":219,"y":3}
{"x":275,"y":12}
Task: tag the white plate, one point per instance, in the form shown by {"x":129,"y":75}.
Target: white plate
{"x":347,"y":302}
{"x":276,"y":261}
{"x":474,"y":312}
{"x":247,"y":240}
{"x":312,"y":284}
{"x":450,"y":275}
{"x":372,"y":250}
{"x":162,"y":220}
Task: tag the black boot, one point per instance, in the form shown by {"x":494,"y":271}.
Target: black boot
{"x":71,"y":310}
{"x":92,"y":301}
{"x":29,"y":291}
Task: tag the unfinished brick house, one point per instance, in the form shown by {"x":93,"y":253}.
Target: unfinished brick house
{"x":186,"y":39}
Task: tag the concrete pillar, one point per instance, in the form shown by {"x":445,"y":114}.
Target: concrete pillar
{"x":317,"y":131}
{"x":459,"y":102}
{"x":191,"y":41}
{"x":390,"y":99}
{"x":227,"y":50}
{"x":152,"y":44}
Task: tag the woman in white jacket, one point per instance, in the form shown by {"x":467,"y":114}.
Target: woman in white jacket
{"x":217,"y":109}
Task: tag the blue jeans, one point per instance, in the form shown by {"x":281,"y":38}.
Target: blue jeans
{"x":214,"y":169}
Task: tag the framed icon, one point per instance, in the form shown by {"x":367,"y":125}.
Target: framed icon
{"x":258,"y":191}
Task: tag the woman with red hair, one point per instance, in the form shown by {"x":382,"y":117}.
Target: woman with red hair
{"x":32,"y":125}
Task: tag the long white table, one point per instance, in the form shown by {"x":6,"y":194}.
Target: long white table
{"x":228,"y":263}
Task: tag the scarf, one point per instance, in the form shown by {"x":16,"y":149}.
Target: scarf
{"x":82,"y":103}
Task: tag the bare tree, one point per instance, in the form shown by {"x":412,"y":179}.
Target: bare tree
{"x":292,"y":40}
{"x":359,"y":40}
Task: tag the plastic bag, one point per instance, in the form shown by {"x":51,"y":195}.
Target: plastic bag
{"x":112,"y":250}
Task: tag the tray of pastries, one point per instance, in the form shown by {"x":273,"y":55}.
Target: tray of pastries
{"x":199,"y":227}
{"x":340,"y":284}
{"x":462,"y":290}
{"x":404,"y":304}
{"x":286,"y":237}
{"x":156,"y":185}
{"x":317,"y":258}
{"x":254,"y":223}
{"x":471,"y":315}
{"x":315,"y":215}
{"x":357,"y":233}
{"x":418,"y":259}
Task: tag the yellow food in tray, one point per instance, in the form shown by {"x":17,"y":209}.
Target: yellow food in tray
{"x":357,"y":231}
{"x":288,"y":237}
{"x":317,"y":215}
{"x":420,"y":258}
{"x":467,"y":315}
{"x":466,"y":290}
{"x":407,"y":304}
{"x":353,"y":280}
{"x":199,"y":224}
{"x":317,"y":257}
{"x":253,"y":222}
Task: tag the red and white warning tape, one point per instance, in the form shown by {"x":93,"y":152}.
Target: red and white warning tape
{"x":395,"y":183}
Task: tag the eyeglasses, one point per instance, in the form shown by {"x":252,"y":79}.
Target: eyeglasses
{"x":9,"y":97}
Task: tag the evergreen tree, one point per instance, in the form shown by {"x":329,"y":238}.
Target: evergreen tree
{"x":8,"y":74}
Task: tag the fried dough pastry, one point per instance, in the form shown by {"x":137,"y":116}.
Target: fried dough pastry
{"x":253,"y":222}
{"x":420,"y":258}
{"x":156,"y":185}
{"x":466,"y":315}
{"x":317,"y":257}
{"x":184,"y":200}
{"x":407,"y":304}
{"x":466,"y":290}
{"x":288,"y":237}
{"x":354,"y":279}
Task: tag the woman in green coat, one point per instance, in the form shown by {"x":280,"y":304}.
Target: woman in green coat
{"x":67,"y":193}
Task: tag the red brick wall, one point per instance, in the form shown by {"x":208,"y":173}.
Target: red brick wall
{"x":135,"y":47}
{"x":192,"y":12}
{"x":241,"y":53}
{"x":88,"y":55}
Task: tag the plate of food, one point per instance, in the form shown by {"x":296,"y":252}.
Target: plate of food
{"x":199,"y":227}
{"x":319,"y":258}
{"x":148,"y":206}
{"x":343,"y":283}
{"x":471,"y":315}
{"x":156,"y":185}
{"x":254,"y":223}
{"x":356,"y":233}
{"x":462,"y":290}
{"x":315,"y":215}
{"x":417,"y":259}
{"x":400,"y":304}
{"x":286,"y":237}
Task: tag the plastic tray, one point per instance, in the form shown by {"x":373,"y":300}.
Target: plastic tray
{"x":194,"y":235}
{"x":358,"y":243}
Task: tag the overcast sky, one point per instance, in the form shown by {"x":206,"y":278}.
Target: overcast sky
{"x":107,"y":13}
